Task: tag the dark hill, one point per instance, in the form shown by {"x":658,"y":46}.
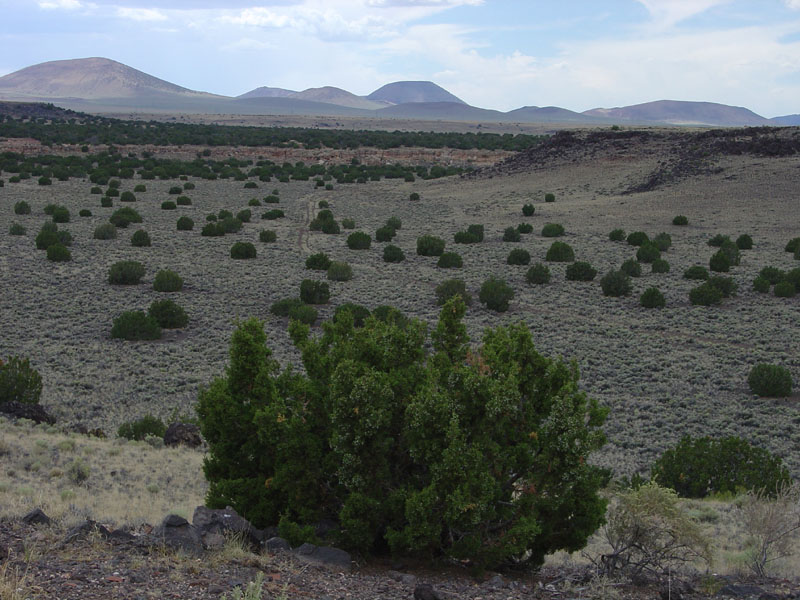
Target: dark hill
{"x":403,"y":92}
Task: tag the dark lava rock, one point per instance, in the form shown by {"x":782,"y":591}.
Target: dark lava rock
{"x":425,"y":591}
{"x":22,"y":410}
{"x":225,"y":521}
{"x":177,"y":533}
{"x":183,"y":434}
{"x":325,"y":556}
{"x":36,"y":517}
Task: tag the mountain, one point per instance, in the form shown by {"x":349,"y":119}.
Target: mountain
{"x":338,"y":96}
{"x":790,"y":120}
{"x":86,"y":78}
{"x":551,"y":114}
{"x":402,"y":92}
{"x":267,"y":92}
{"x":439,"y":111}
{"x":677,"y":112}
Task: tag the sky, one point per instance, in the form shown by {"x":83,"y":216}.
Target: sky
{"x":499,"y":54}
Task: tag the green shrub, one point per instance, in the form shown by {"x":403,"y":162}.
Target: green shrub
{"x":318,"y":262}
{"x":303,"y":313}
{"x":465,"y":237}
{"x":96,"y":190}
{"x":185,"y":223}
{"x":384,"y":234}
{"x":340,"y":271}
{"x":230,"y":224}
{"x":22,"y":208}
{"x":46,"y":238}
{"x":357,"y":312}
{"x":744,"y":242}
{"x":358,"y":240}
{"x":254,"y":202}
{"x":718,"y":240}
{"x":243,"y":250}
{"x":793,"y":277}
{"x":430,"y":245}
{"x":314,"y":292}
{"x":528,"y":210}
{"x":637,"y":238}
{"x":167,"y":281}
{"x":761,"y":285}
{"x":211,"y":218}
{"x":84,"y":212}
{"x":495,"y":293}
{"x":212,"y":230}
{"x":183,"y":201}
{"x":647,"y":253}
{"x":772,"y":274}
{"x":705,"y":294}
{"x":731,"y":250}
{"x":61,"y":215}
{"x":538,"y":274}
{"x":122,"y":217}
{"x":696,"y":272}
{"x":783,"y":289}
{"x":549,"y":197}
{"x":792,"y":245}
{"x":322,"y":203}
{"x":112,"y":193}
{"x":16,"y":229}
{"x":770,"y":380}
{"x":414,"y":196}
{"x":188,"y":185}
{"x":139,"y":429}
{"x":680,"y":220}
{"x":450,"y":260}
{"x":139,"y":187}
{"x":175,"y":190}
{"x":250,"y":185}
{"x":452,"y":287}
{"x":663,"y":241}
{"x":631,"y":267}
{"x":127,"y":196}
{"x":267,"y":236}
{"x":135,"y":325}
{"x":510,"y":234}
{"x":271,"y":215}
{"x":552,"y":230}
{"x":271,"y":199}
{"x":393,"y":254}
{"x":726,"y":285}
{"x":660,"y":266}
{"x":719,"y":262}
{"x":580,"y":271}
{"x":525,"y":228}
{"x":105,"y":231}
{"x":696,"y":468}
{"x":125,"y":272}
{"x":477,"y":231}
{"x":60,"y":253}
{"x":106,"y":202}
{"x":168,"y":205}
{"x":19,"y":382}
{"x":114,"y":184}
{"x":518,"y":256}
{"x":282,"y":308}
{"x":348,"y":223}
{"x":140,"y":238}
{"x":560,"y":252}
{"x":244,"y":215}
{"x":167,"y":314}
{"x":616,"y":283}
{"x":617,"y":235}
{"x":652,"y":298}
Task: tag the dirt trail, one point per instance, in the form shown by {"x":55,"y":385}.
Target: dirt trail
{"x":303,"y":232}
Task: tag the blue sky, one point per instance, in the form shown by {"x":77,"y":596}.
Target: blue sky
{"x":501,"y":54}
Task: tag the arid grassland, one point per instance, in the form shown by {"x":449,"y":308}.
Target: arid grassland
{"x":664,"y":372}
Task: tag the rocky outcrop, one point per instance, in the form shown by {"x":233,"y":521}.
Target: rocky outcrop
{"x":183,"y":434}
{"x":22,"y":410}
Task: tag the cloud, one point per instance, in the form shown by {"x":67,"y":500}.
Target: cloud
{"x":415,"y":3}
{"x":669,"y":12}
{"x":792,"y":4}
{"x":60,"y":4}
{"x":141,"y":14}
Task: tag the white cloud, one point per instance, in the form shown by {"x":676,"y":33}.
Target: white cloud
{"x":141,"y":14}
{"x":793,"y":4}
{"x":60,"y":4}
{"x":669,"y":12}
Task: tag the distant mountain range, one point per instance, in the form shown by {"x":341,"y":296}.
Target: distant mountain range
{"x":104,"y":85}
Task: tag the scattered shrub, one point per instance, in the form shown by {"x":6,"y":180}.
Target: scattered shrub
{"x":185,"y":223}
{"x":772,"y":274}
{"x":631,"y":267}
{"x":652,"y":298}
{"x":680,"y":220}
{"x":525,"y":228}
{"x":414,"y":196}
{"x":617,"y":235}
{"x":696,"y":272}
{"x":138,"y":430}
{"x":731,"y":250}
{"x":580,"y":271}
{"x":46,"y":238}
{"x":272,"y":199}
{"x":106,"y":203}
{"x":744,"y":242}
{"x":660,"y":266}
{"x":705,"y":294}
{"x":282,"y":308}
{"x":188,"y":186}
{"x":761,"y":285}
{"x":469,"y":237}
{"x":250,"y":185}
{"x":549,"y":197}
{"x":560,"y":252}
{"x":538,"y":274}
{"x":783,"y":289}
{"x":718,"y":240}
{"x":167,"y":281}
{"x":230,"y":224}
{"x":770,"y":380}
{"x":19,"y":382}
{"x":348,"y":223}
{"x":511,"y":235}
{"x":140,"y":238}
{"x":212,"y":230}
{"x":127,"y":196}
{"x":450,"y":260}
{"x":793,"y":277}
{"x":322,"y":203}
{"x":267,"y":236}
{"x":726,"y":285}
{"x":314,"y":292}
{"x":647,"y":253}
{"x":84,"y":212}
{"x":719,"y":262}
{"x":124,"y":216}
{"x":22,"y":208}
{"x":244,"y":215}
{"x":60,"y":253}
{"x":616,"y":283}
{"x":96,"y":190}
{"x":663,"y":241}
{"x":167,"y":314}
{"x":792,"y":245}
{"x":452,"y":287}
{"x":318,"y":262}
{"x":271,"y":215}
{"x":16,"y":229}
{"x":135,"y":325}
{"x":211,"y":218}
{"x":254,"y":202}
{"x":357,"y":312}
{"x":303,"y":313}
{"x":552,"y":230}
{"x":340,"y":271}
{"x":476,"y":231}
{"x":139,"y":187}
{"x":243,"y":250}
{"x":518,"y":256}
{"x":495,"y":293}
{"x":125,"y":272}
{"x":175,"y":190}
{"x":168,"y":205}
{"x":60,"y":215}
{"x":393,"y":254}
{"x":358,"y":240}
{"x":384,"y":234}
{"x":112,"y":192}
{"x":183,"y":201}
{"x":637,"y":238}
{"x":698,"y":467}
{"x":528,"y":210}
{"x":105,"y":231}
{"x":430,"y":245}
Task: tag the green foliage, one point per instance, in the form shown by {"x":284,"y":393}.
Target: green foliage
{"x":744,"y":242}
{"x":314,"y":292}
{"x":60,"y":253}
{"x":122,"y":217}
{"x":96,"y":190}
{"x":393,"y":254}
{"x":414,"y":196}
{"x":167,"y":314}
{"x":616,"y":283}
{"x":348,"y":224}
{"x":167,"y":281}
{"x":272,"y":199}
{"x":783,"y":289}
{"x":719,"y":262}
{"x":188,"y":185}
{"x":495,"y":293}
{"x":696,"y":272}
{"x":549,"y":197}
{"x":254,"y":202}
{"x":510,"y":234}
{"x":139,"y":187}
{"x":230,"y":224}
{"x":244,"y":215}
{"x":212,"y":230}
{"x":282,"y":308}
{"x":267,"y":236}
{"x":358,"y":313}
{"x":792,"y":245}
{"x":175,"y":190}
{"x":22,"y":208}
{"x":243,"y":250}
{"x":140,"y":238}
{"x":552,"y":230}
{"x":211,"y":218}
{"x":525,"y":228}
{"x":185,"y":223}
{"x":518,"y":256}
{"x":184,"y":201}
{"x":652,"y":298}
{"x":560,"y":252}
{"x":637,"y":238}
{"x":84,"y":212}
{"x":698,"y":467}
{"x":580,"y":271}
{"x":108,"y":203}
{"x":125,"y":272}
{"x":538,"y":274}
{"x":168,"y":205}
{"x":617,"y":235}
{"x":384,"y":234}
{"x":60,"y":215}
{"x":731,"y":250}
{"x":761,"y":285}
{"x":271,"y":215}
{"x":359,"y":240}
{"x":770,"y":380}
{"x":660,"y":266}
{"x":340,"y":271}
{"x":47,"y":236}
{"x":718,"y":240}
{"x":303,"y":313}
{"x":663,"y":241}
{"x":127,"y":196}
{"x":705,"y":294}
{"x":772,"y":274}
{"x":250,"y":185}
{"x":631,"y":267}
{"x":450,"y":260}
{"x":19,"y":382}
{"x":647,"y":253}
{"x":726,"y":285}
{"x":528,"y":210}
{"x":135,"y":325}
{"x":472,"y":235}
{"x":318,"y":262}
{"x":141,"y":428}
{"x":452,"y":287}
{"x":105,"y":231}
{"x":16,"y":229}
{"x":430,"y":245}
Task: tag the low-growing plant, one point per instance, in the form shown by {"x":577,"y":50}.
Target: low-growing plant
{"x":139,"y":187}
{"x":538,"y":274}
{"x":167,"y":314}
{"x":188,"y":185}
{"x":185,"y":223}
{"x":528,"y":210}
{"x":106,"y":202}
{"x":495,"y":293}
{"x":271,"y":215}
{"x":140,"y":238}
{"x":183,"y":201}
{"x":637,"y":238}
{"x":96,"y":190}
{"x":792,"y":245}
{"x":303,"y":313}
{"x":510,"y":234}
{"x":726,"y":285}
{"x":560,"y":252}
{"x":230,"y":224}
{"x":718,"y":240}
{"x":250,"y":185}
{"x":631,"y":267}
{"x":125,"y":272}
{"x":112,"y":193}
{"x":549,"y":197}
{"x":135,"y":325}
{"x":282,"y":308}
{"x":22,"y":208}
{"x":348,"y":224}
{"x":731,"y":250}
{"x":60,"y":215}
{"x":450,"y":260}
{"x":122,"y":217}
{"x":318,"y":262}
{"x":525,"y":228}
{"x":783,"y":289}
{"x":552,"y":230}
{"x":322,"y":203}
{"x":696,"y":272}
{"x":105,"y":231}
{"x":430,"y":245}
{"x":243,"y":250}
{"x":19,"y":381}
{"x":617,"y":235}
{"x":580,"y":271}
{"x":648,"y":252}
{"x":652,"y":298}
{"x":518,"y":256}
{"x":168,"y":205}
{"x":680,"y":220}
{"x":705,"y":294}
{"x":212,"y":229}
{"x":340,"y":271}
{"x":384,"y":234}
{"x":314,"y":292}
{"x":16,"y":229}
{"x":358,"y":313}
{"x":359,"y":240}
{"x":761,"y":285}
{"x":414,"y":196}
{"x":272,"y":199}
{"x":744,"y":242}
{"x":244,"y":215}
{"x":452,"y":287}
{"x":167,"y":281}
{"x":660,"y":266}
{"x":84,"y":212}
{"x":616,"y":283}
{"x":141,"y":428}
{"x":663,"y":241}
{"x":267,"y":236}
{"x":175,"y":190}
{"x":211,"y":218}
{"x":60,"y":253}
{"x":127,"y":196}
{"x":254,"y":202}
{"x":719,"y":262}
{"x":772,"y":274}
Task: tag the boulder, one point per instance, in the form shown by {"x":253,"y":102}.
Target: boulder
{"x":36,"y":517}
{"x":276,"y":544}
{"x":177,"y":533}
{"x":425,"y":591}
{"x":225,"y":522}
{"x":325,"y":556}
{"x":84,"y":529}
{"x":183,"y":434}
{"x":23,"y":410}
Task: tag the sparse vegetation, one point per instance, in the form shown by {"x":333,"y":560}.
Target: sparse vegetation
{"x":135,"y":325}
{"x":511,"y":234}
{"x":58,"y":253}
{"x":243,"y":250}
{"x":126,"y":272}
{"x":339,"y":271}
{"x":314,"y":292}
{"x":167,"y":314}
{"x":538,"y":274}
{"x":452,"y":287}
{"x":617,"y":235}
{"x":518,"y":256}
{"x":616,"y":283}
{"x":495,"y":293}
{"x":652,"y":298}
{"x":528,"y":210}
{"x":359,"y":240}
{"x":680,"y":220}
{"x":141,"y":238}
{"x":552,"y":230}
{"x":19,"y":381}
{"x":631,"y":267}
{"x":185,"y":223}
{"x":770,"y":380}
{"x":450,"y":260}
{"x":167,"y":281}
{"x":393,"y":254}
{"x":637,"y":238}
{"x":560,"y":252}
{"x":267,"y":236}
{"x":430,"y":245}
{"x":318,"y":262}
{"x":105,"y":231}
